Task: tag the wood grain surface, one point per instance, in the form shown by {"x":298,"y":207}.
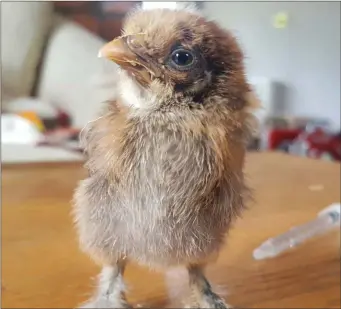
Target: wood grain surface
{"x":42,"y":266}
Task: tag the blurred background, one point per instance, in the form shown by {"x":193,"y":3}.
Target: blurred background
{"x":53,"y":83}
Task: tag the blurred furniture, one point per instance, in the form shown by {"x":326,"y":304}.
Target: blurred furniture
{"x":315,"y":144}
{"x":103,"y":18}
{"x":42,"y":266}
{"x":55,"y":60}
{"x":52,"y":58}
{"x":301,"y":136}
{"x":267,"y":93}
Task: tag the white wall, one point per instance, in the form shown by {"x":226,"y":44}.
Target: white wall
{"x":305,"y":56}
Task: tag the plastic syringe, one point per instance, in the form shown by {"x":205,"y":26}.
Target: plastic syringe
{"x":326,"y":220}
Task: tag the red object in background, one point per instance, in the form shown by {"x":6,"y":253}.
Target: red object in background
{"x":277,"y":136}
{"x":63,"y":119}
{"x":319,"y":142}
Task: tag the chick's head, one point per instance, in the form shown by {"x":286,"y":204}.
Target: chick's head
{"x":177,"y":57}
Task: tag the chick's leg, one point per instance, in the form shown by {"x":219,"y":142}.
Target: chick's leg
{"x":111,"y":289}
{"x":202,"y":294}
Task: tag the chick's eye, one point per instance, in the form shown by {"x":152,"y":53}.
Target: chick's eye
{"x":182,"y":58}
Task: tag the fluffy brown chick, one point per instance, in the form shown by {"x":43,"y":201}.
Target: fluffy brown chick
{"x":166,"y":158}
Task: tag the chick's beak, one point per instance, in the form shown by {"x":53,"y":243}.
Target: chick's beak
{"x":118,"y":51}
{"x":123,"y":51}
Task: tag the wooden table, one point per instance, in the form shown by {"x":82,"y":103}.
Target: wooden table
{"x":43,"y":268}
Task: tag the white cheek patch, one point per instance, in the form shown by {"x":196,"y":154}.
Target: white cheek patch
{"x":133,"y":95}
{"x":130,"y":92}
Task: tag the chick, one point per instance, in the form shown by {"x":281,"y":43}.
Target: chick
{"x":165,"y":159}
